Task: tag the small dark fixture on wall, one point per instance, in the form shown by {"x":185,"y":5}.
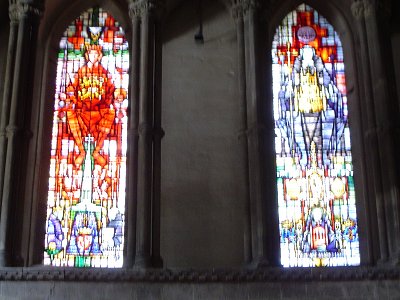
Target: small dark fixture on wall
{"x":198,"y":37}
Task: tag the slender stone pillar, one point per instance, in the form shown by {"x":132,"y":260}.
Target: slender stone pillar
{"x":237,"y":10}
{"x":147,"y":10}
{"x":27,"y":15}
{"x":386,"y":112}
{"x":9,"y":72}
{"x":373,"y":189}
{"x":380,"y":129}
{"x":255,"y":136}
{"x":158,"y":134}
{"x":132,"y":160}
{"x":252,"y":126}
{"x":143,"y":232}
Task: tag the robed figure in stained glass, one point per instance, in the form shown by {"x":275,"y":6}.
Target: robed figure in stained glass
{"x":316,"y":198}
{"x":86,"y":199}
{"x":90,"y":99}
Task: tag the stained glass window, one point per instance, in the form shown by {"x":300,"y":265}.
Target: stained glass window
{"x":315,"y":185}
{"x":86,"y":195}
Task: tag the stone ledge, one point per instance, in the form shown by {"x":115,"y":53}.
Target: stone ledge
{"x":272,"y":274}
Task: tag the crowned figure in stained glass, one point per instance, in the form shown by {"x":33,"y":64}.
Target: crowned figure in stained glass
{"x":86,"y":199}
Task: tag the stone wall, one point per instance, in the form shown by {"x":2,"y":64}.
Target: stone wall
{"x":232,"y":291}
{"x":202,"y":196}
{"x":342,"y":283}
{"x":211,"y":217}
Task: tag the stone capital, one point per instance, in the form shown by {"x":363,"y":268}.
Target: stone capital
{"x":240,"y":8}
{"x":3,"y":133}
{"x":12,"y":130}
{"x":138,"y":8}
{"x":22,"y":10}
{"x":361,"y":9}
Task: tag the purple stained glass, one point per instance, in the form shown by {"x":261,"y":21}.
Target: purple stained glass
{"x":87,"y":177}
{"x":315,"y":185}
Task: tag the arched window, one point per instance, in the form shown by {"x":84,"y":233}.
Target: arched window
{"x":86,"y":194}
{"x":315,"y":186}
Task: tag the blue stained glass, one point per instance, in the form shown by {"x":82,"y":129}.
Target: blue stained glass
{"x":316,"y":197}
{"x":87,"y":176}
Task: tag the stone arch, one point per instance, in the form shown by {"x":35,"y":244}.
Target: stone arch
{"x":306,"y":143}
{"x":54,"y":23}
{"x":363,"y":117}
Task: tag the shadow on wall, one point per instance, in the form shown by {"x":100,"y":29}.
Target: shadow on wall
{"x":190,"y":17}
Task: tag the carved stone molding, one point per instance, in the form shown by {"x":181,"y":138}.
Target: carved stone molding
{"x":240,"y":8}
{"x":137,"y":8}
{"x":361,"y":9}
{"x":275,"y":274}
{"x":12,"y":130}
{"x":18,"y":11}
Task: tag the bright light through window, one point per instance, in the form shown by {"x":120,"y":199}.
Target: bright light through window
{"x":316,"y":197}
{"x":86,"y":198}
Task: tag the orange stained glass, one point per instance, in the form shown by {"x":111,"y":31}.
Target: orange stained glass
{"x":86,"y":196}
{"x":315,"y":181}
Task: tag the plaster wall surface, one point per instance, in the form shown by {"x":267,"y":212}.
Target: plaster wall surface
{"x":202,"y":195}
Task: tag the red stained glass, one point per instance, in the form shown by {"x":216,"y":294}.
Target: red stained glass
{"x":315,"y":185}
{"x":86,"y":198}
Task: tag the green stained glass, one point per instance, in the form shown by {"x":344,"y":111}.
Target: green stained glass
{"x":87,"y":176}
{"x":316,"y":197}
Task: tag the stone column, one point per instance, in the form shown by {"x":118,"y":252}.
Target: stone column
{"x":158,"y":134}
{"x":132,"y":159}
{"x":147,"y":10}
{"x":9,"y":72}
{"x":381,"y":128}
{"x":27,"y":15}
{"x":387,"y":119}
{"x":252,"y":126}
{"x":237,"y":10}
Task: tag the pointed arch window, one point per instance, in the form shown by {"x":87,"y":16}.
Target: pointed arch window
{"x":86,"y":193}
{"x":315,"y":186}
